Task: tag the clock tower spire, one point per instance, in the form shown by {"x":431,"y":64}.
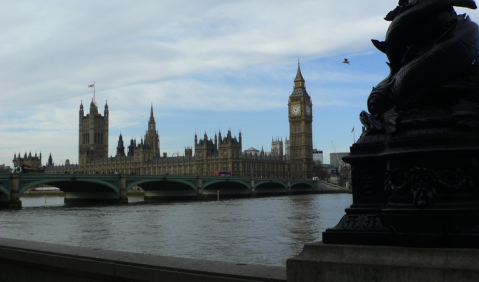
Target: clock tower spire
{"x":300,"y":129}
{"x":152,"y":138}
{"x":299,"y":80}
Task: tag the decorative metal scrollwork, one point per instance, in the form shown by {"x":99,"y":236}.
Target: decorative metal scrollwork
{"x":422,"y":184}
{"x":360,"y":222}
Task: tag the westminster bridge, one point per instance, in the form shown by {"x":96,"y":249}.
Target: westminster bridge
{"x":114,"y":187}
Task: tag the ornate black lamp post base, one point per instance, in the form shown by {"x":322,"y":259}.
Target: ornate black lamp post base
{"x":417,"y":187}
{"x":415,"y":169}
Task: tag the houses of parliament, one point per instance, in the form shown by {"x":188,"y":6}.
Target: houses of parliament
{"x":218,"y":153}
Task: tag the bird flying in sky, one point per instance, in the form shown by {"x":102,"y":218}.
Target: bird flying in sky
{"x":346,"y":61}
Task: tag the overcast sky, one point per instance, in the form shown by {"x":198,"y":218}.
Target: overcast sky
{"x":205,"y":66}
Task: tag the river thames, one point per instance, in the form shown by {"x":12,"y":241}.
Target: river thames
{"x":264,"y":231}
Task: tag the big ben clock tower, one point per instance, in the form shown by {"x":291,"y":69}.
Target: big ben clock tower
{"x":300,"y":130}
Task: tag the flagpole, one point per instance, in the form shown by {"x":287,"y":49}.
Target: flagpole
{"x":94,"y":86}
{"x":354,"y":135}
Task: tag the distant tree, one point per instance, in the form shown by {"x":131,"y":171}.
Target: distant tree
{"x":327,"y":172}
{"x":320,"y":171}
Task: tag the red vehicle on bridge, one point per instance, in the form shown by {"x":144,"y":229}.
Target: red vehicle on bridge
{"x":222,"y":173}
{"x":28,"y":169}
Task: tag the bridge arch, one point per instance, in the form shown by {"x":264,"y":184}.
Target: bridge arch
{"x":4,"y":194}
{"x":159,"y":181}
{"x":269,"y":183}
{"x":212,"y":183}
{"x":270,"y":186}
{"x":66,"y":184}
{"x":302,"y":186}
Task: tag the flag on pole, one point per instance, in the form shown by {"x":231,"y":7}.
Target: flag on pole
{"x":352,"y":129}
{"x":93,"y":85}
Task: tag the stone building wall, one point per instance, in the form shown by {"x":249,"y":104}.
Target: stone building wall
{"x":29,"y":160}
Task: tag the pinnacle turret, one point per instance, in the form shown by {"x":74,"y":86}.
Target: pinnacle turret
{"x":93,"y":107}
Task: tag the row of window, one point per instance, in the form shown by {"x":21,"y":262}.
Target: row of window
{"x":98,"y":138}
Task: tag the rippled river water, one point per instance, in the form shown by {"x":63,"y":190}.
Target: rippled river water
{"x":254,"y":231}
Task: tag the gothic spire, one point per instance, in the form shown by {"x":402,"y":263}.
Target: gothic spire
{"x":50,"y":160}
{"x":299,"y":85}
{"x":299,"y":76}
{"x":151,"y":122}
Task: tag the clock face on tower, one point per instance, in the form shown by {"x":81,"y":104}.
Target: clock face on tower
{"x":295,"y":110}
{"x":308,"y":110}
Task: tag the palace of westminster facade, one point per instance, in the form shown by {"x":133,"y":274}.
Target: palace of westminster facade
{"x":221,"y":153}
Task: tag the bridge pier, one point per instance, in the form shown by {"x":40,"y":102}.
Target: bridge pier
{"x":14,"y":202}
{"x":200,"y":195}
{"x":123,"y":198}
{"x":253,"y":188}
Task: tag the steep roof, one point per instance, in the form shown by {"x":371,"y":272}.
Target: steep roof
{"x":299,"y":76}
{"x":299,"y":88}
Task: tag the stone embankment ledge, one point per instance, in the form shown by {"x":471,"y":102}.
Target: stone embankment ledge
{"x":360,"y":263}
{"x":322,"y":186}
{"x":22,"y":260}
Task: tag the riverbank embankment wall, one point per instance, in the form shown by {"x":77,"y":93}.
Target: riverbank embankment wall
{"x":22,"y":260}
{"x":321,"y":186}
